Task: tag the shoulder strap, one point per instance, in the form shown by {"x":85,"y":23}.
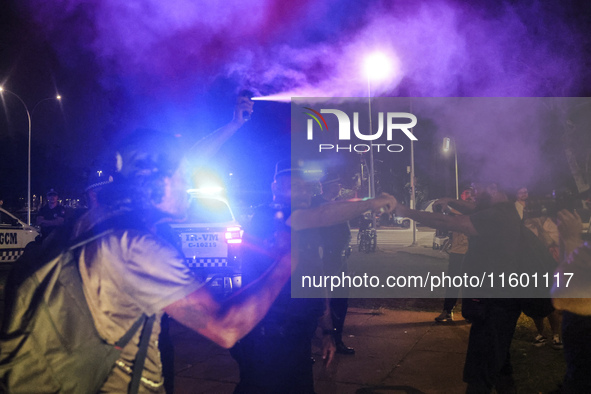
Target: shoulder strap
{"x":124,"y":340}
{"x":140,"y":358}
{"x":87,"y":237}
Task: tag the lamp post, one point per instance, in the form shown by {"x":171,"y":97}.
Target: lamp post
{"x":447,"y":142}
{"x":377,"y":67}
{"x":412,"y":192}
{"x":29,"y":114}
{"x":412,"y":183}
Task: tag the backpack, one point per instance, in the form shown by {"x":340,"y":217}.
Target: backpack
{"x":49,"y":343}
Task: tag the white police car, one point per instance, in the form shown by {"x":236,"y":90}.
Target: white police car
{"x":14,"y":236}
{"x":211,"y":239}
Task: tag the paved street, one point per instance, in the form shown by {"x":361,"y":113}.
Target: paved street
{"x":396,"y":257}
{"x":397,"y":352}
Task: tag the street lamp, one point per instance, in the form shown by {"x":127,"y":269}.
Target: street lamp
{"x":447,"y":142}
{"x":377,"y":66}
{"x":29,"y":114}
{"x":412,"y":183}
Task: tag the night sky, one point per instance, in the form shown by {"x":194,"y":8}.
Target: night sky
{"x":178,"y":65}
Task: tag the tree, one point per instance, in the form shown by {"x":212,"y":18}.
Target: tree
{"x":576,"y":137}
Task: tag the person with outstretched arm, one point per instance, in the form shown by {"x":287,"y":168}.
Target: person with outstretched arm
{"x":494,"y":232}
{"x":275,"y":357}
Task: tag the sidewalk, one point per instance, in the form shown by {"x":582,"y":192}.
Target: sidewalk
{"x":420,"y":250}
{"x":397,"y":352}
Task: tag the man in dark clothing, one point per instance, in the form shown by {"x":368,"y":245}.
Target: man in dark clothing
{"x":51,"y":215}
{"x":495,"y":247}
{"x":494,"y":233}
{"x":275,"y":357}
{"x":576,"y":337}
{"x":335,"y":239}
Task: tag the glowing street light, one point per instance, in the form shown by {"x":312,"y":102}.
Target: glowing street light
{"x":29,"y":114}
{"x":377,"y":66}
{"x":447,"y":142}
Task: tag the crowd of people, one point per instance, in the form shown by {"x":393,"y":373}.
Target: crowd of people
{"x":494,"y":228}
{"x":136,"y":269}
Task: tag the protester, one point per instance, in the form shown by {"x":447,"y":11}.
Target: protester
{"x":335,"y":239}
{"x":132,"y":270}
{"x":494,"y":233}
{"x":51,"y":215}
{"x":149,"y":190}
{"x":276,"y":356}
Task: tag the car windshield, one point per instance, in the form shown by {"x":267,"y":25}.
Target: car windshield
{"x":208,"y":210}
{"x":7,"y":220}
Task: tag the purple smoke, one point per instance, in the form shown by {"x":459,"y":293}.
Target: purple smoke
{"x":167,"y":52}
{"x":443,"y":48}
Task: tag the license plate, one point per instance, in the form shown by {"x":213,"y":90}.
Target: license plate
{"x":204,"y":245}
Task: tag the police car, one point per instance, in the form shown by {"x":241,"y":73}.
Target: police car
{"x":14,"y":236}
{"x":211,"y":239}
